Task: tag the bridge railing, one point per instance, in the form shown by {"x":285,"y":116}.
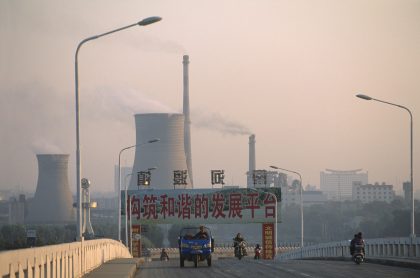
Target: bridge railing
{"x":61,"y":260}
{"x":380,"y":247}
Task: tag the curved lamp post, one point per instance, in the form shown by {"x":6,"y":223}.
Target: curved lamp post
{"x":119,"y":183}
{"x":143,"y":22}
{"x":365,"y":97}
{"x":301,"y":201}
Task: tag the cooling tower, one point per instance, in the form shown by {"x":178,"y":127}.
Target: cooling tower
{"x":52,"y":203}
{"x":168,"y":155}
{"x":252,"y":160}
{"x":187,"y":121}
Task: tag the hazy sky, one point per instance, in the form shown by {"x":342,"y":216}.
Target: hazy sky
{"x":286,"y":70}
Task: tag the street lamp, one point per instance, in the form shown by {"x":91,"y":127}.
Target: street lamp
{"x":129,"y":206}
{"x":143,"y":22}
{"x":301,"y":201}
{"x":119,"y":181}
{"x":365,"y":97}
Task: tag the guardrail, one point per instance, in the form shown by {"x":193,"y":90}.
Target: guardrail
{"x":61,"y":260}
{"x":380,"y":247}
{"x":218,"y":251}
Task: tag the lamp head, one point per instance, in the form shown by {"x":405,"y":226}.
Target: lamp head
{"x":149,"y":20}
{"x":365,"y":97}
{"x":274,"y":167}
{"x":154,"y":140}
{"x":85,"y":183}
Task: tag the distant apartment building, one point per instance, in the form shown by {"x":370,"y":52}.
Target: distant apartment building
{"x":407,"y":192}
{"x":373,"y":192}
{"x":17,"y":210}
{"x":338,"y":185}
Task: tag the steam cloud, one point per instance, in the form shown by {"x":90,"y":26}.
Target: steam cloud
{"x":42,"y":146}
{"x":219,"y":123}
{"x":127,"y":102}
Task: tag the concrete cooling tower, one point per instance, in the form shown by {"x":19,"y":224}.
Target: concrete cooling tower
{"x":168,"y":155}
{"x":52,"y":203}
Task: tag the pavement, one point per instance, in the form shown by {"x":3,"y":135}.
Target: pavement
{"x":127,"y":268}
{"x":409,"y":262}
{"x":401,"y":262}
{"x":120,"y":268}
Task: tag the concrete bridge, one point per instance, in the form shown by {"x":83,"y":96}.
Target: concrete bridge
{"x":98,"y":258}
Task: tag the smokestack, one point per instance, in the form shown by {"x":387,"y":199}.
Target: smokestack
{"x":187,"y":121}
{"x":168,"y":155}
{"x":52,"y":203}
{"x":252,"y":159}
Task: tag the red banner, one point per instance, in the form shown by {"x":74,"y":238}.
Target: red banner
{"x":136,"y":240}
{"x":194,"y":206}
{"x":268,"y":238}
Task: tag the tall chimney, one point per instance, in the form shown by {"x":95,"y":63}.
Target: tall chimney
{"x":187,"y":121}
{"x":52,"y":203}
{"x":252,"y":159}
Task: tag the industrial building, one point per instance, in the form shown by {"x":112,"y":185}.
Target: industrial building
{"x":52,"y":203}
{"x":171,"y":155}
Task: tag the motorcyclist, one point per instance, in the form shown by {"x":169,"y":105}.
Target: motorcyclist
{"x":257,"y":251}
{"x":359,"y":241}
{"x":352,"y":244}
{"x":164,"y":255}
{"x":202,"y":234}
{"x":237,"y":240}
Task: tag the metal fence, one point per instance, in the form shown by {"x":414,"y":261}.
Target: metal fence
{"x":380,"y":247}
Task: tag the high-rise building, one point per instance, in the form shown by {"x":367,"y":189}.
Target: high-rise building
{"x":338,"y":185}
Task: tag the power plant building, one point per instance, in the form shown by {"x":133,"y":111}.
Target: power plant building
{"x":167,"y":155}
{"x":52,"y":203}
{"x":171,"y":155}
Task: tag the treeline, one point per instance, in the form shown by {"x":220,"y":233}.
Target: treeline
{"x":14,"y":236}
{"x":335,"y":221}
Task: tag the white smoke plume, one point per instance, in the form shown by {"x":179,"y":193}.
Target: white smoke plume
{"x":42,"y":146}
{"x":124,"y":102}
{"x":220,"y":123}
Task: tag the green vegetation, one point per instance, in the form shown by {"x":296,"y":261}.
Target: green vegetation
{"x":335,"y":221}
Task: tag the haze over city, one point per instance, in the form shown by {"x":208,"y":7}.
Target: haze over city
{"x":287,"y":71}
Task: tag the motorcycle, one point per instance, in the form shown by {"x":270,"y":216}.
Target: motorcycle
{"x":358,"y":255}
{"x":240,"y":250}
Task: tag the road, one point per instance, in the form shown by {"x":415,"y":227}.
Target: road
{"x":258,"y":269}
